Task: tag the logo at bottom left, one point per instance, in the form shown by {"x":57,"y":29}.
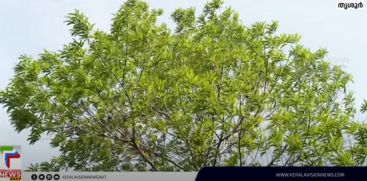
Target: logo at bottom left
{"x":10,"y":163}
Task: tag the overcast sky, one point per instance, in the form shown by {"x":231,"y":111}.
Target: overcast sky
{"x":30,"y":26}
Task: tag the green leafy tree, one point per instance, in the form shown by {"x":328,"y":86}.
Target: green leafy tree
{"x":212,"y":92}
{"x":52,"y":166}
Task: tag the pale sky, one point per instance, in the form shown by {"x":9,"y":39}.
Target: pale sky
{"x":29,"y":27}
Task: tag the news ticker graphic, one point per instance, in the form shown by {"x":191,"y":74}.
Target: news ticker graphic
{"x":10,"y":163}
{"x":214,"y":174}
{"x":282,"y":173}
{"x":109,"y":176}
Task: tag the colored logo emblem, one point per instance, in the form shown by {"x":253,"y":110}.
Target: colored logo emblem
{"x":10,"y":163}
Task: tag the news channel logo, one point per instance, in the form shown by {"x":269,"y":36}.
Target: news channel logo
{"x":10,"y":163}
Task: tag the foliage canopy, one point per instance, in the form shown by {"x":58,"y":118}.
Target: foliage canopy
{"x":212,"y":92}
